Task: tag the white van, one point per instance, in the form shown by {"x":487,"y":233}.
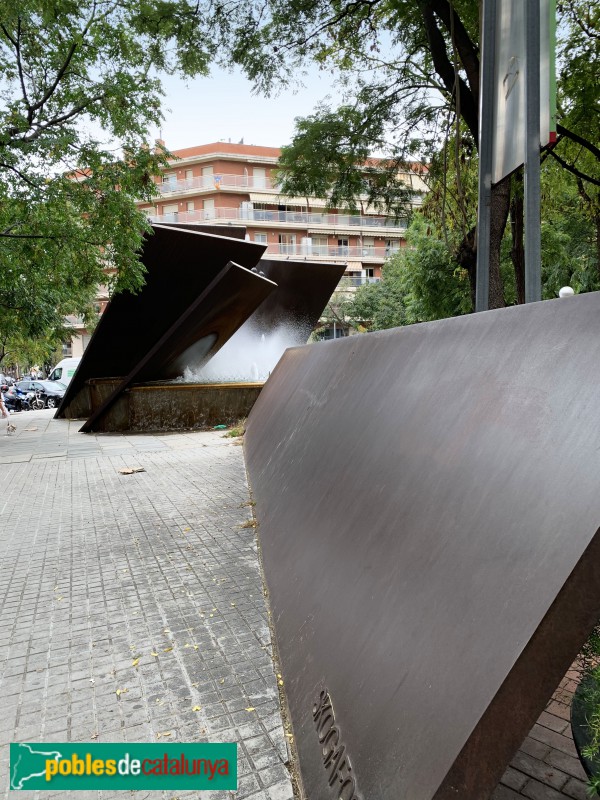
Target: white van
{"x":64,"y":370}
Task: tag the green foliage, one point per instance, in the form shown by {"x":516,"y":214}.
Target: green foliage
{"x":239,"y":429}
{"x":589,"y":661}
{"x":569,"y":235}
{"x":80,"y":91}
{"x":323,"y":161}
{"x":420,"y":283}
{"x":409,"y":82}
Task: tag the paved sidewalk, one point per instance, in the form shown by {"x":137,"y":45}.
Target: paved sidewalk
{"x":129,"y":601}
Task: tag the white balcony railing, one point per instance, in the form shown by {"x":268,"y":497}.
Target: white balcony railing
{"x":299,"y":218}
{"x":216,"y":181}
{"x":305,"y":250}
{"x":353,"y":281}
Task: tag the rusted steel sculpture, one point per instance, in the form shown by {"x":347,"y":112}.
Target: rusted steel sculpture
{"x":428,"y":501}
{"x":303,"y":290}
{"x":201,"y":286}
{"x":197,"y":334}
{"x":180,"y":265}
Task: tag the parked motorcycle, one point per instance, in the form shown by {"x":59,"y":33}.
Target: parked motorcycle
{"x":13,"y":401}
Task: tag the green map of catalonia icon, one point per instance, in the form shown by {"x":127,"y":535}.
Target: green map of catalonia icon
{"x":29,"y":761}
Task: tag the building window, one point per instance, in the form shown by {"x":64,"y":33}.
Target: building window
{"x":189,"y":206}
{"x":335,"y":332}
{"x":189,"y":174}
{"x":170,"y":212}
{"x":368,"y":246}
{"x":170,"y":178}
{"x":287,"y":244}
{"x":209,"y":208}
{"x":320,"y":246}
{"x":259,"y":176}
{"x":208,"y":178}
{"x":342,"y":247}
{"x":391,"y":246}
{"x":67,"y":349}
{"x":260,"y":237}
{"x":264,"y":214}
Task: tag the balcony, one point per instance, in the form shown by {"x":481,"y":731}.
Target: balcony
{"x":354,"y":281}
{"x":304,"y":219}
{"x":305,"y":250}
{"x":217,"y":181}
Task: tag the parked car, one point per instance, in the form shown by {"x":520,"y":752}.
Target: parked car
{"x":51,"y":392}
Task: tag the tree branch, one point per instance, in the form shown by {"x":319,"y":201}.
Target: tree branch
{"x":20,"y":174}
{"x":574,"y":170}
{"x":4,"y":235}
{"x":333,"y":21}
{"x":445,"y":70}
{"x":461,"y":39}
{"x":61,"y":72}
{"x":20,"y":64}
{"x":63,"y":118}
{"x":575,"y":137}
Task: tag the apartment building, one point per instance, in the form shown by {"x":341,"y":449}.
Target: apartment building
{"x":225,"y":183}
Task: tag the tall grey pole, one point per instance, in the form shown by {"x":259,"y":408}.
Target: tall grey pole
{"x":533,"y":245}
{"x":486,"y":122}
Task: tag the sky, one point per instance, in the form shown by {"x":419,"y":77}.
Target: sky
{"x":223,"y":107}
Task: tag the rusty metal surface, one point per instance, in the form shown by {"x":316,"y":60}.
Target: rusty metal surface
{"x":231,"y":231}
{"x":303,"y":290}
{"x":197,"y":334}
{"x":428,"y":501}
{"x":180,"y":265}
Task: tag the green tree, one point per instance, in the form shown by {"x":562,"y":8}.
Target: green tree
{"x":411,"y":76}
{"x":424,"y":281}
{"x":80,"y":89}
{"x":421,"y":282}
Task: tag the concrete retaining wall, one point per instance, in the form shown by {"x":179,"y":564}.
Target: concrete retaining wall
{"x":172,"y":407}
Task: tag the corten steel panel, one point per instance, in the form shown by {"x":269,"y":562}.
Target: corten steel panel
{"x":180,"y":264}
{"x":303,"y":290}
{"x":428,"y":501}
{"x":231,"y":231}
{"x":197,"y":334}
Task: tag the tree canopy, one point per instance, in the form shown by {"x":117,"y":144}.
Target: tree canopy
{"x":81,"y":86}
{"x":411,"y":72}
{"x":79,"y":91}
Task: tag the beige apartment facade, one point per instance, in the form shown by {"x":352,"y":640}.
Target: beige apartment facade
{"x":224,"y":183}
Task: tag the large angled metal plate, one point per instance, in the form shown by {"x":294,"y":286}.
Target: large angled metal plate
{"x":428,"y":501}
{"x":199,"y":332}
{"x":303,"y":290}
{"x":231,"y":231}
{"x":180,"y":265}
